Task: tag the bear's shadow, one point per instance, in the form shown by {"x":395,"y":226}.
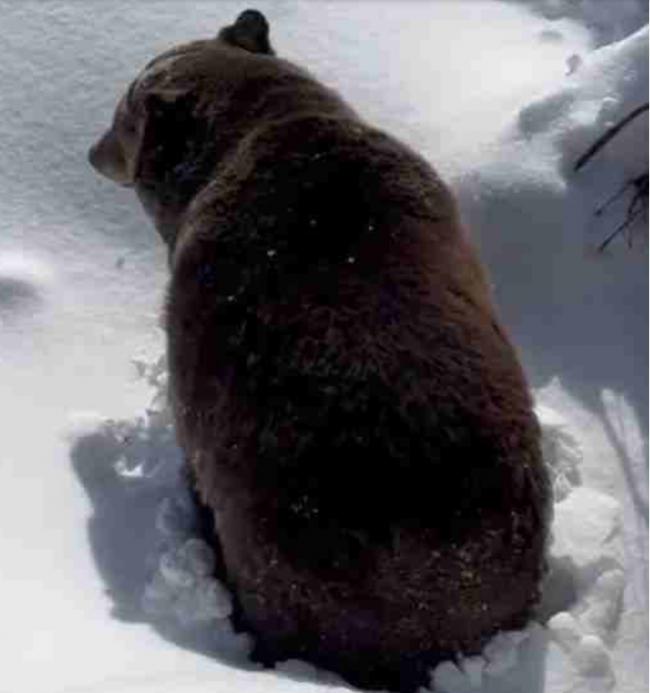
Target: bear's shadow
{"x":128,"y":469}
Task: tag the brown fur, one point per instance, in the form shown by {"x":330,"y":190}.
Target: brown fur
{"x":351,"y":409}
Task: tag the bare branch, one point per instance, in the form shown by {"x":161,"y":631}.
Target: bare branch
{"x":607,"y":136}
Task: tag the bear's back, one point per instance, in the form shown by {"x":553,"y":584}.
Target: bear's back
{"x":328,"y":288}
{"x":353,"y":411}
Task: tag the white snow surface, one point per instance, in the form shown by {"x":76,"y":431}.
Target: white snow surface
{"x":105,"y":586}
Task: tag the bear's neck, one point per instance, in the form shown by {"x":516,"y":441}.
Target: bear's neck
{"x":292,"y":93}
{"x":219,"y":127}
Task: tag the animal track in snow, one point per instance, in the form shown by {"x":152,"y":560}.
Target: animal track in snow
{"x":23,"y":286}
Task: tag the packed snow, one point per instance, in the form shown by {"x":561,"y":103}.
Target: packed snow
{"x":106,"y":582}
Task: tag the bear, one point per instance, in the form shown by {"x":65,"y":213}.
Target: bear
{"x":352,"y":412}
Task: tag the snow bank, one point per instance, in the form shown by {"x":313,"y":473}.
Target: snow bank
{"x":600,"y":90}
{"x":572,"y":309}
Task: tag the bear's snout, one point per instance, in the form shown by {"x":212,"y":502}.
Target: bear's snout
{"x":107,"y":158}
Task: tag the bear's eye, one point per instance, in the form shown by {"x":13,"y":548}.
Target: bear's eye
{"x":128,"y":127}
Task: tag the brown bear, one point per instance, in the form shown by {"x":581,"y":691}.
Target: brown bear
{"x":350,"y":407}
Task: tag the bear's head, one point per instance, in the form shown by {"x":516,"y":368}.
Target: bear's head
{"x":180,"y":116}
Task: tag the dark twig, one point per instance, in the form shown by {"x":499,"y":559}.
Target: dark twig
{"x":614,"y":197}
{"x":607,"y":136}
{"x":629,"y":220}
{"x":639,"y":203}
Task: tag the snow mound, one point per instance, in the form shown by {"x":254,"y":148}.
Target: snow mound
{"x":602,"y":88}
{"x":183,"y":587}
{"x":605,"y":24}
{"x":561,"y":451}
{"x":586,"y":529}
{"x":535,"y":161}
{"x":583,"y":593}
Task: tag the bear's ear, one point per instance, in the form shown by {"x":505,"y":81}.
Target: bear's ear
{"x":250,"y":32}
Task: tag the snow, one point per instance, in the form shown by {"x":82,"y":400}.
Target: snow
{"x":105,"y":585}
{"x":606,"y":26}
